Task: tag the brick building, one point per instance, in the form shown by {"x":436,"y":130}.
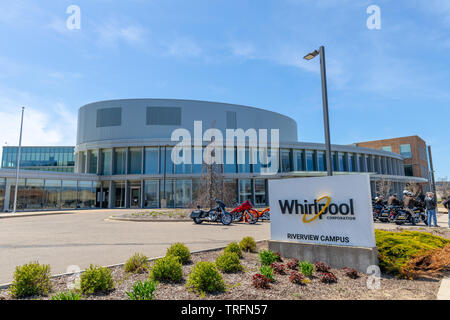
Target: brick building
{"x":413,"y":149}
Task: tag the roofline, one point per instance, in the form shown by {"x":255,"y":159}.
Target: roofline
{"x":191,"y":100}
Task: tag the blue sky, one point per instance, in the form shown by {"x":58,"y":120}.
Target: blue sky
{"x":382,"y":83}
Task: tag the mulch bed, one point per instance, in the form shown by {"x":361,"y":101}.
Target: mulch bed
{"x":240,"y":287}
{"x":156,"y":215}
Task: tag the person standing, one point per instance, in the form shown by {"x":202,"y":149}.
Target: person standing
{"x":430,"y":206}
{"x":446,"y":204}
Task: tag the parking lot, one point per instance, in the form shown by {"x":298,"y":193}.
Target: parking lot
{"x":85,"y":237}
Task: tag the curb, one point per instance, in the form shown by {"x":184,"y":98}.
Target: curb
{"x":444,"y":290}
{"x":141,"y":220}
{"x":59,"y":275}
{"x":22,"y":215}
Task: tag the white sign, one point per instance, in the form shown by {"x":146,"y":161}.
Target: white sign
{"x":333,"y":210}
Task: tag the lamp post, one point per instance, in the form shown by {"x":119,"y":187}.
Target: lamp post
{"x":18,"y":163}
{"x":326,"y":120}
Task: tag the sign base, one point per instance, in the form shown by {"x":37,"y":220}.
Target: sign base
{"x":337,"y":257}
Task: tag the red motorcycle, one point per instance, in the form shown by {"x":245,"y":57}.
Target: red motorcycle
{"x":244,"y":212}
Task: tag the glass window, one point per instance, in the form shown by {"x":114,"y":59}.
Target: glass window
{"x":135,"y":166}
{"x":86,"y":194}
{"x":197,"y":167}
{"x":183,"y":193}
{"x":243,"y":160}
{"x":21,"y":195}
{"x":387,"y":148}
{"x":106,"y":162}
{"x":310,"y":163}
{"x":361,"y":163}
{"x":298,"y":159}
{"x":167,"y":160}
{"x":151,"y":194}
{"x":120,"y":155}
{"x":409,"y":171}
{"x":119,"y":193}
{"x":69,"y":194}
{"x":342,"y":163}
{"x":229,"y":167}
{"x":35,"y":193}
{"x":245,"y":190}
{"x":260,"y":192}
{"x":182,"y":168}
{"x":169,"y":192}
{"x":93,"y":157}
{"x":151,"y":161}
{"x":52,"y":192}
{"x":285,"y":161}
{"x":334,"y":162}
{"x":405,"y":150}
{"x":321,"y":161}
{"x":351,"y":162}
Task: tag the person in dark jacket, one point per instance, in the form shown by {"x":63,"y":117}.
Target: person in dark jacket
{"x":394,"y":201}
{"x":446,"y":204}
{"x":430,"y":206}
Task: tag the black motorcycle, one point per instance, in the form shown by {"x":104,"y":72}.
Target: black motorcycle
{"x":377,"y":210}
{"x":217,"y":214}
{"x":405,"y":216}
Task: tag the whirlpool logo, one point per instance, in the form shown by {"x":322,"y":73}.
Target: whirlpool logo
{"x":318,"y":209}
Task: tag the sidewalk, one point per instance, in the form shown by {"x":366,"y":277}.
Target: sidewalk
{"x":35,"y":213}
{"x":61,"y":212}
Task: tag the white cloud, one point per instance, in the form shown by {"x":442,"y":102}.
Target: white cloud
{"x":112,"y":33}
{"x":183,"y":47}
{"x":45,"y":122}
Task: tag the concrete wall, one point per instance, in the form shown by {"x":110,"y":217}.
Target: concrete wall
{"x":134,"y":125}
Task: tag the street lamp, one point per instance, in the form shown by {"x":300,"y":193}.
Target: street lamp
{"x":18,"y":164}
{"x":326,"y":121}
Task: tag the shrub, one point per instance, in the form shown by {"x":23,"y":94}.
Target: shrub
{"x":351,"y":273}
{"x":205,"y":277}
{"x":96,"y":279}
{"x":30,"y":280}
{"x":322,"y":267}
{"x":248,"y":244}
{"x":327,"y":277}
{"x":396,"y":249}
{"x":267,"y":257}
{"x":260,"y":281}
{"x":267,"y":272}
{"x":292,"y":265}
{"x":142,"y":290}
{"x":179,"y":250}
{"x":168,"y":268}
{"x":306,"y":268}
{"x":69,"y":295}
{"x":279,"y":259}
{"x":296,"y":277}
{"x":229,"y":262}
{"x":234,"y":248}
{"x":278,"y":268}
{"x":138,"y":263}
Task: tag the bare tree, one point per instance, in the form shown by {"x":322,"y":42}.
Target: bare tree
{"x":384,"y":187}
{"x":443,"y":188}
{"x":415,"y":188}
{"x":213,"y":186}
